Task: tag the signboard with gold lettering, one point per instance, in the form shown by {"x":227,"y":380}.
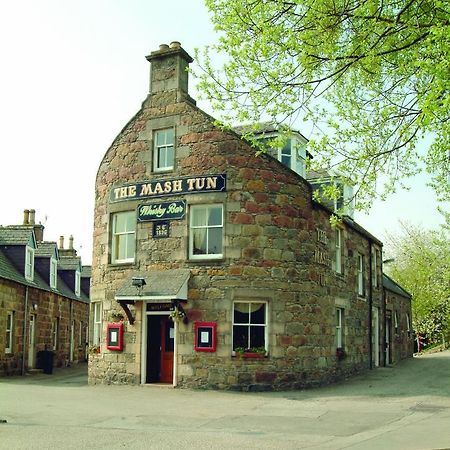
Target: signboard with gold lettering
{"x":161,"y":211}
{"x":164,"y":188}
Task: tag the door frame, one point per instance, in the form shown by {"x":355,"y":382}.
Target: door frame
{"x":376,"y":334}
{"x":31,"y":341}
{"x":145,"y":314}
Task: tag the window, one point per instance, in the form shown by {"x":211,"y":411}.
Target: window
{"x":53,"y":272}
{"x":77,"y":283}
{"x":97,"y":327}
{"x":163,"y":155}
{"x":338,"y":245}
{"x":123,"y":237}
{"x":375,"y":260}
{"x":360,"y":276}
{"x":206,"y":233}
{"x":408,"y":324}
{"x":249,"y":325}
{"x":55,"y":333}
{"x":80,"y":334}
{"x":339,"y":327}
{"x":285,"y":154}
{"x":9,"y":332}
{"x":396,"y":322}
{"x":29,"y":263}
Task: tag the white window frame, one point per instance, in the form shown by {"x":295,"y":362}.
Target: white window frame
{"x":80,"y":334}
{"x":408,"y":324}
{"x":29,"y":263}
{"x":166,"y":165}
{"x":338,"y":249}
{"x":115,"y":239}
{"x":396,"y":330}
{"x":53,"y":272}
{"x":249,"y":324}
{"x":9,"y":332}
{"x":339,"y":327}
{"x":375,"y":259}
{"x":77,"y":283}
{"x":207,"y":227}
{"x":96,"y":323}
{"x":360,"y":275}
{"x":55,"y":333}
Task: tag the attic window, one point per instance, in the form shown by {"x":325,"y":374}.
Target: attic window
{"x":29,"y":264}
{"x":53,"y":272}
{"x":77,"y":283}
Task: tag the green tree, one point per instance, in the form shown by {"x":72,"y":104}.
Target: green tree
{"x":422,"y":266}
{"x":372,"y":76}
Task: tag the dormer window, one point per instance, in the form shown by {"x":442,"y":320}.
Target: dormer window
{"x":77,"y":283}
{"x":29,"y":263}
{"x":53,"y":272}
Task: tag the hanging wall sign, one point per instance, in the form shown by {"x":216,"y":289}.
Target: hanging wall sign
{"x":161,"y":211}
{"x":164,"y":188}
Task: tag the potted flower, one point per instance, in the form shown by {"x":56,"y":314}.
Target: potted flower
{"x":93,"y":349}
{"x":250,"y":353}
{"x":178,"y":314}
{"x":340,"y":354}
{"x":116,"y":316}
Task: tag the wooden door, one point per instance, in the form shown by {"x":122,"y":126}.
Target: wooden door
{"x":167,"y":346}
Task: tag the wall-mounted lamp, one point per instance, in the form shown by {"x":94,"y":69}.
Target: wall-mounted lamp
{"x":139,"y":282}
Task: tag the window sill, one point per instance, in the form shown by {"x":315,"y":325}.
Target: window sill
{"x":206,"y":261}
{"x":119,"y":265}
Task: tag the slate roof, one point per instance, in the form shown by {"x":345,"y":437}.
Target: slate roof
{"x":86,"y":272}
{"x":391,"y":285}
{"x":69,"y":263}
{"x":167,"y":283}
{"x":15,"y":236}
{"x":45,"y":249}
{"x":20,"y":236}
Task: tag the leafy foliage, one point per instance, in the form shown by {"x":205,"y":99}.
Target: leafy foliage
{"x":372,"y":76}
{"x":422,"y":266}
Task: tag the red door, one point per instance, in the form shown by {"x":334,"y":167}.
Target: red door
{"x":167,"y":342}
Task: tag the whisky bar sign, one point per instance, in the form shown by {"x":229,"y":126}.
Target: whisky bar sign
{"x":163,"y":188}
{"x":161,"y":211}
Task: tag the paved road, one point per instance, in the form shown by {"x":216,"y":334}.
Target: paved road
{"x":404,"y":407}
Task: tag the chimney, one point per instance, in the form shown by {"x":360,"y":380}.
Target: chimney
{"x":168,"y":74}
{"x":26,"y":216}
{"x":61,"y":242}
{"x":32,"y":216}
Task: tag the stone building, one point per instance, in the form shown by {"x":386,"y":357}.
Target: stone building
{"x":399,"y":343}
{"x":213,"y":267}
{"x":44,"y":300}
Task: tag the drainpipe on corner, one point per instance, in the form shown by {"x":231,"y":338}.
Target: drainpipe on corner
{"x":24,"y":335}
{"x":370,"y":304}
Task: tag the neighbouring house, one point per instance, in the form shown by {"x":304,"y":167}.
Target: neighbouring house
{"x":214,"y":267}
{"x":44,"y":300}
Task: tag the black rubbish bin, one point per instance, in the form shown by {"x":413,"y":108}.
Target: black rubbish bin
{"x":47,"y":361}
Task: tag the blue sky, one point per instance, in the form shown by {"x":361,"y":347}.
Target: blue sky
{"x":73,"y":74}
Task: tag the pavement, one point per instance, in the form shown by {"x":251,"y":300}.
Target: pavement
{"x":402,"y":407}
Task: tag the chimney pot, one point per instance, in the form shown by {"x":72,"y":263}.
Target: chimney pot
{"x":163,"y":47}
{"x":70,"y":242}
{"x":175,"y":44}
{"x":61,"y":242}
{"x":32,"y":214}
{"x":26,"y":216}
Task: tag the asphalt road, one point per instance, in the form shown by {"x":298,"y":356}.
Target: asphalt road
{"x":401,"y":407}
